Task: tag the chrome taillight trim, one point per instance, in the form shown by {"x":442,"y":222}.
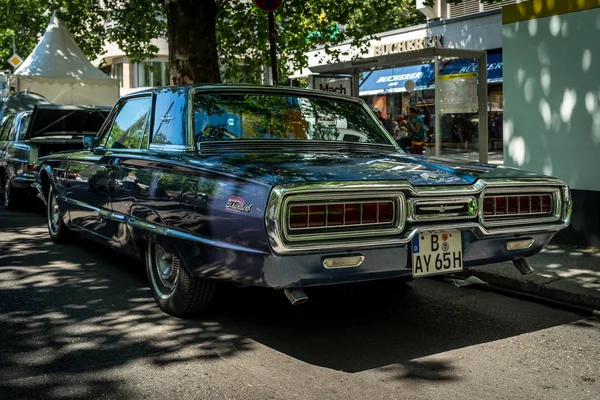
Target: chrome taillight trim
{"x":442,"y":203}
{"x":522,"y":219}
{"x":275,"y":206}
{"x":343,"y":231}
{"x":343,"y":225}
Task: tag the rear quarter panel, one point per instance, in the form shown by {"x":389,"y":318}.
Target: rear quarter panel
{"x":182,"y":201}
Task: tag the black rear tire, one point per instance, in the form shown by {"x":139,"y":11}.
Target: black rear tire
{"x":12,"y":196}
{"x":176,"y":292}
{"x":59,"y":233}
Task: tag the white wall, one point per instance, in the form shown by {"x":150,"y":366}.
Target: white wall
{"x":552,"y":97}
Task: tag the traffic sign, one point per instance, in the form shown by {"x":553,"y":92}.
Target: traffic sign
{"x":268,"y":5}
{"x":15,"y":60}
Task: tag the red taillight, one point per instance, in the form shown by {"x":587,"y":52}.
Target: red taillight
{"x":520,"y":205}
{"x":386,"y":212}
{"x":345,"y":214}
{"x":513,"y":204}
{"x":298,"y":217}
{"x":317,"y":216}
{"x":369,"y":213}
{"x":536,"y":204}
{"x":352,"y":214}
{"x":488,"y":206}
{"x":546,"y":203}
{"x":335,"y":214}
{"x":500,"y":205}
{"x":524,"y":204}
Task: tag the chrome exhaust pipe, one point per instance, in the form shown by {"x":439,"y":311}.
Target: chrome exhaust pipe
{"x":523,"y":266}
{"x":296,"y":296}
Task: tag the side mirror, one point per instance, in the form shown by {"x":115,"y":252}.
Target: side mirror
{"x":89,"y":142}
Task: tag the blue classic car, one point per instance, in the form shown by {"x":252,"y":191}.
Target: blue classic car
{"x":284,"y":188}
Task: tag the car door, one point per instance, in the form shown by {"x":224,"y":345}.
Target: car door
{"x":5,"y":129}
{"x":91,"y":173}
{"x":18,"y":153}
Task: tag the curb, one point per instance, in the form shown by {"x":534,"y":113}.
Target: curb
{"x":562,"y":292}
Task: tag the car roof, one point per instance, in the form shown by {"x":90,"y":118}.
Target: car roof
{"x":20,"y":101}
{"x":222,"y":87}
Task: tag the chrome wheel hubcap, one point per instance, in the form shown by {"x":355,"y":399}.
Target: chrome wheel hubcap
{"x":6,"y":192}
{"x":166,"y":268}
{"x":53,"y":214}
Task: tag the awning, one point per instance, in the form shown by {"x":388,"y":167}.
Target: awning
{"x":392,"y":80}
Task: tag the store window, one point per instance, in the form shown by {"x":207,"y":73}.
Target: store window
{"x":155,"y":73}
{"x":117,"y":73}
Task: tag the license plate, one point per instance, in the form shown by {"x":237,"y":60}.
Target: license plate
{"x":436,"y":252}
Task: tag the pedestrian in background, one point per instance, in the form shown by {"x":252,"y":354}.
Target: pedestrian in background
{"x":383,"y":121}
{"x":184,"y":77}
{"x":417,"y":131}
{"x":402,"y":133}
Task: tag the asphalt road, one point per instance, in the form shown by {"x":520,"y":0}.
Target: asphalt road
{"x":79,"y":322}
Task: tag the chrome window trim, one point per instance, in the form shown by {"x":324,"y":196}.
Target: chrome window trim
{"x":275,"y":207}
{"x":397,"y":225}
{"x":169,"y":147}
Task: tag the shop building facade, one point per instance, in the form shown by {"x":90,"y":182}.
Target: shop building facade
{"x":136,"y":76}
{"x":469,"y":25}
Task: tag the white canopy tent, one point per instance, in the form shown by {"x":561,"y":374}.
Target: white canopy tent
{"x":58,"y":70}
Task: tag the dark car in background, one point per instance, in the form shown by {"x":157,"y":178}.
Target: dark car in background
{"x":287,"y":189}
{"x":19,"y":101}
{"x":28,"y":135}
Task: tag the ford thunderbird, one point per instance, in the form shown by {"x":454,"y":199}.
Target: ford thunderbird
{"x":287,"y":189}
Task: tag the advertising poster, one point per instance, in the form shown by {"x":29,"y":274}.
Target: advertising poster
{"x":458,"y":93}
{"x":381,"y":103}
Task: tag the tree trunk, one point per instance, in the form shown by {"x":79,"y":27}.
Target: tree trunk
{"x":191,"y":26}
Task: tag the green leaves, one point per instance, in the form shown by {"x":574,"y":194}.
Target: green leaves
{"x":241,"y":29}
{"x":132,"y":24}
{"x":242,"y":32}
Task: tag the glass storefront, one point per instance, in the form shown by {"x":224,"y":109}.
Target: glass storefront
{"x":384,"y":89}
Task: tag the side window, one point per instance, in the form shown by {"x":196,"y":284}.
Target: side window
{"x":129,"y":125}
{"x":170,"y":118}
{"x":23,"y":128}
{"x":5,"y":129}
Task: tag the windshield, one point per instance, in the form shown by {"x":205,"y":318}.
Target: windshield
{"x":223,"y":117}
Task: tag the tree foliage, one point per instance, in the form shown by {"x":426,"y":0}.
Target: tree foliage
{"x":242,"y":31}
{"x":136,"y":23}
{"x":241,"y":36}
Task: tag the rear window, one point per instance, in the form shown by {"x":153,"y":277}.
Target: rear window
{"x":223,"y":117}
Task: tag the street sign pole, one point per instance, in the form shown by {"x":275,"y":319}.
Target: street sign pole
{"x":273,"y":44}
{"x":269,"y":6}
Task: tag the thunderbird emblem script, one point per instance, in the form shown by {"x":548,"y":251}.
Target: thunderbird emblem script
{"x":236,"y":203}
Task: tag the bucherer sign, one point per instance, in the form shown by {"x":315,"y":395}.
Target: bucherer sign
{"x":408,"y":45}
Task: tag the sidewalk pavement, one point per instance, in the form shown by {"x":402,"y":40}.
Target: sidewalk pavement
{"x":565,"y":274}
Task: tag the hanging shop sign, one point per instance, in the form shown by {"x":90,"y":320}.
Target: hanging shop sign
{"x":408,"y":45}
{"x":340,"y":84}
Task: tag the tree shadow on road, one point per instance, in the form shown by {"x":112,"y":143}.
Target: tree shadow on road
{"x":73,"y":315}
{"x":384,"y":325}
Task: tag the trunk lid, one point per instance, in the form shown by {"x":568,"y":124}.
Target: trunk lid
{"x":376,"y":164}
{"x":65,"y":120}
